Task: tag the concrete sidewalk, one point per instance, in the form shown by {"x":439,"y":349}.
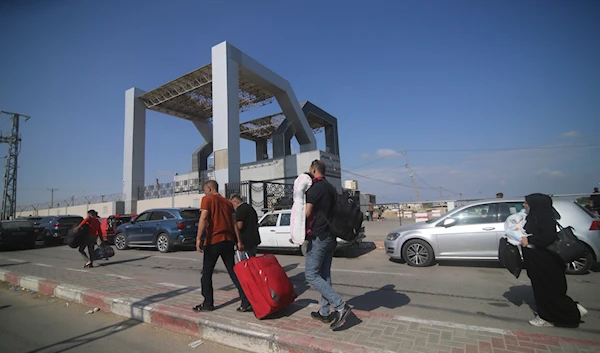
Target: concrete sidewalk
{"x":169,"y":306}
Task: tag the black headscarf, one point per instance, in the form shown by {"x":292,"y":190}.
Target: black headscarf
{"x":541,"y":220}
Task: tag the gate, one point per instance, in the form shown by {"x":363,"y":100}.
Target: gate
{"x":264,"y":196}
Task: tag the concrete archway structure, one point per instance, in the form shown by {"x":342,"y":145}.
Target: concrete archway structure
{"x":211,"y":98}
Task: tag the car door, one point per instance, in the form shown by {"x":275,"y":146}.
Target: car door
{"x":282,"y":232}
{"x":267,"y":227}
{"x":154,"y":224}
{"x":134,"y":231}
{"x":472,"y":235}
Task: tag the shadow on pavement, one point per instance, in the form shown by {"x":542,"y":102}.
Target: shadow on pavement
{"x":351,"y":321}
{"x":121,"y":262}
{"x":354,"y":252}
{"x":460,"y":263}
{"x":15,"y":264}
{"x":384,"y":297}
{"x":5,"y":307}
{"x":81,"y":340}
{"x":519,"y":295}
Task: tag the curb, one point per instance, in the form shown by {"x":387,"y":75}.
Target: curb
{"x":248,"y":336}
{"x":234,"y":333}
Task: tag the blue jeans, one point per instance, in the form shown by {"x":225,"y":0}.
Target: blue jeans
{"x":319,"y":257}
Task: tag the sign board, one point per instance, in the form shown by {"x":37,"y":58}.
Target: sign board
{"x":421,"y":217}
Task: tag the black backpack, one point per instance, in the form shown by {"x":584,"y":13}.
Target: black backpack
{"x":345,"y":222}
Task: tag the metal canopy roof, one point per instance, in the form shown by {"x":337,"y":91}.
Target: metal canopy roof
{"x":264,"y":128}
{"x":190,"y":96}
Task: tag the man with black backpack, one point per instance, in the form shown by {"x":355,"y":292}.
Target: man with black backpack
{"x":321,"y":200}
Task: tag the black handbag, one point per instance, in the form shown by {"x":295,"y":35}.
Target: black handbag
{"x":567,"y":246}
{"x":510,"y":257}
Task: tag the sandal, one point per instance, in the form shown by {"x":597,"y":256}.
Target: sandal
{"x":243,"y":309}
{"x":203,"y":307}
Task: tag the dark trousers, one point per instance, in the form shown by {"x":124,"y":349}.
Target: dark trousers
{"x":225,"y":250}
{"x":88,"y":243}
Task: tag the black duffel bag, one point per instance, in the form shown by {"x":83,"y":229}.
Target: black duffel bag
{"x":76,"y":239}
{"x":510,"y":257}
{"x":567,"y":246}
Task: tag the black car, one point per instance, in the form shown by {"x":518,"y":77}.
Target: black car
{"x":36,"y":225}
{"x":54,"y":229}
{"x":17,"y":232}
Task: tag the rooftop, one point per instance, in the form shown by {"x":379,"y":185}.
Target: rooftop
{"x":190,"y":96}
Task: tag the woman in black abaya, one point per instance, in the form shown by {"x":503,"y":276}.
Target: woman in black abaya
{"x":545,"y":269}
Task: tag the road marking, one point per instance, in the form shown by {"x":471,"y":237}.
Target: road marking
{"x":43,"y":265}
{"x":16,"y":260}
{"x":119,"y":276}
{"x":366,"y":272}
{"x":171,"y":285}
{"x":174,"y":258}
{"x":78,"y":270}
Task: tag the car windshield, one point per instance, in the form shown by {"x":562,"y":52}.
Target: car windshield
{"x":589,"y":213}
{"x":190,"y":214}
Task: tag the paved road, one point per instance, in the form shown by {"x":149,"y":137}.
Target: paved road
{"x":36,"y":323}
{"x":479,"y":294}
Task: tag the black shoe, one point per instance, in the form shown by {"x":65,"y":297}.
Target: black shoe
{"x":203,"y":307}
{"x":340,"y":317}
{"x":326,"y":319}
{"x":244,"y":309}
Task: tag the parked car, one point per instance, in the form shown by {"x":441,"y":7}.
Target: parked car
{"x":472,"y":232}
{"x":164,"y":228}
{"x":274,"y":229}
{"x":17,"y":232}
{"x":110,"y":224}
{"x":36,"y":225}
{"x":55,"y":228}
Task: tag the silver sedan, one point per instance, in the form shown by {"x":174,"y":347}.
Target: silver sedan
{"x":472,"y":232}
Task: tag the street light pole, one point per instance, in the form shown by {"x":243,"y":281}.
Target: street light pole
{"x":52,"y":197}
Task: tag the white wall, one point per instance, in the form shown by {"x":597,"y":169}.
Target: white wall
{"x":104,"y":209}
{"x":189,"y":200}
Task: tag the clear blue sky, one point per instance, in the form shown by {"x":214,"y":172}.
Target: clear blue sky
{"x":423,"y":75}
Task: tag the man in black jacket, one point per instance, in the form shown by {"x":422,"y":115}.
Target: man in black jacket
{"x":246,"y":221}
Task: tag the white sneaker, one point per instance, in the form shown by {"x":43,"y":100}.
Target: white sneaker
{"x":582,"y":311}
{"x":539,"y":322}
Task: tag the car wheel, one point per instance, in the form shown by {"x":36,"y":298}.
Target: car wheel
{"x":121,"y":242}
{"x":581,"y":266}
{"x":304,"y":248}
{"x":163,"y":243}
{"x":418,"y":253}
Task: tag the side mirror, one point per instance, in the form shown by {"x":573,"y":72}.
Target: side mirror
{"x":132,"y":221}
{"x":449,"y":222}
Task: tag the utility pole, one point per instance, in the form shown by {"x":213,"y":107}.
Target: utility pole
{"x":9,"y":196}
{"x":52,"y":197}
{"x":412,"y":175}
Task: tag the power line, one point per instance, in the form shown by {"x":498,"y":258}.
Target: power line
{"x":504,"y":149}
{"x":383,"y":181}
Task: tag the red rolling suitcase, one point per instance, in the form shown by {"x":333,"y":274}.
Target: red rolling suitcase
{"x":265,"y":284}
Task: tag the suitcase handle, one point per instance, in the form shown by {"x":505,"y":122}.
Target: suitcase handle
{"x":241,"y":255}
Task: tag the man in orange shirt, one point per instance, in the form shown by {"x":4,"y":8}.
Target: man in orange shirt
{"x":94,"y":231}
{"x":217,"y":219}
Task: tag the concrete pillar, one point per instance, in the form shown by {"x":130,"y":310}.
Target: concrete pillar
{"x":282,"y":138}
{"x":226,"y":115}
{"x":261,"y":150}
{"x":291,"y":109}
{"x":331,"y":140}
{"x":134,"y":152}
{"x":200,"y":158}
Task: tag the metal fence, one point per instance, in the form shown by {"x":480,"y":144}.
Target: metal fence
{"x":173,"y":188}
{"x":262,"y":195}
{"x":73,"y":201}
